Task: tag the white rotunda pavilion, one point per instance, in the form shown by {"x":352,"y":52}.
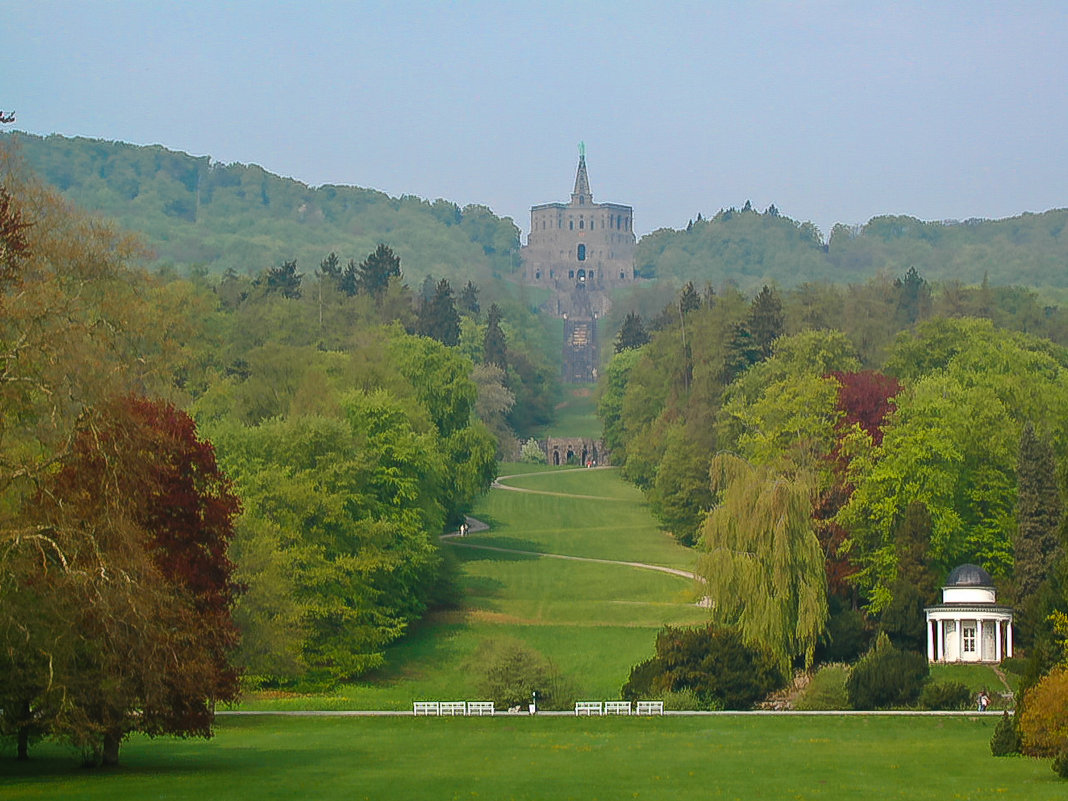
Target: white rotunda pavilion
{"x":968,"y":626}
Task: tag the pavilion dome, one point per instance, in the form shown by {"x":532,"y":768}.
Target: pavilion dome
{"x":969,"y":576}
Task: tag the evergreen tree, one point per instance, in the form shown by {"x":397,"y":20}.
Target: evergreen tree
{"x":632,"y":334}
{"x":284,"y":280}
{"x":913,"y":297}
{"x":350,"y":279}
{"x":331,"y":266}
{"x":494,"y":345}
{"x":375,"y":271}
{"x":765,"y":321}
{"x":1036,"y":549}
{"x":468,"y":302}
{"x":689,"y":300}
{"x":438,"y":318}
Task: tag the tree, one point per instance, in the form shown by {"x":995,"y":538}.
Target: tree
{"x":141,"y":520}
{"x":374,"y":273}
{"x":762,"y":561}
{"x":913,"y":297}
{"x":438,"y":318}
{"x":469,"y":300}
{"x":494,"y":345}
{"x":284,"y":280}
{"x":632,"y":334}
{"x":765,"y":321}
{"x":1036,"y":548}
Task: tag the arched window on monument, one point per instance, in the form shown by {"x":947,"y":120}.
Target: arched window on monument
{"x":571,"y":225}
{"x":582,"y":253}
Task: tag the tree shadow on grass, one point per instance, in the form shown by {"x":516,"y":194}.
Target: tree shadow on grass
{"x":481,"y":549}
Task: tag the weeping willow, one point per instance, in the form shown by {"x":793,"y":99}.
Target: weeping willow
{"x":762,"y":561}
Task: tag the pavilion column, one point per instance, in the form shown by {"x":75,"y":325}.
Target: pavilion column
{"x":979,"y":638}
{"x":960,"y":639}
{"x":997,"y":640}
{"x":941,"y":632}
{"x":930,"y":641}
{"x":1008,"y":638}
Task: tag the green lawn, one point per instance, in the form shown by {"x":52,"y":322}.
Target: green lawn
{"x":594,"y":621}
{"x":666,"y":758}
{"x":576,"y":415}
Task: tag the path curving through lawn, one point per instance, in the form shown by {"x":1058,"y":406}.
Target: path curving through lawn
{"x":478,"y":525}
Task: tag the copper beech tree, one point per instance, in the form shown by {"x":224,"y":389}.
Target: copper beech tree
{"x":134,"y":583}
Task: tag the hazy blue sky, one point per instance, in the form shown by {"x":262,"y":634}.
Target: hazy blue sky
{"x":833,"y":111}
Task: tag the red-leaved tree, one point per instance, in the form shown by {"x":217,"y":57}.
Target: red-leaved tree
{"x":142,"y":519}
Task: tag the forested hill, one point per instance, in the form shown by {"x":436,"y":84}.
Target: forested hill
{"x":195,"y":211}
{"x":753,"y":248}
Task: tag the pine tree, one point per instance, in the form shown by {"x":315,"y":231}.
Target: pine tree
{"x":765,"y":321}
{"x":632,"y":334}
{"x":1037,"y":547}
{"x":468,"y":302}
{"x":376,"y":270}
{"x":494,"y":345}
{"x":438,"y":318}
{"x":284,"y":280}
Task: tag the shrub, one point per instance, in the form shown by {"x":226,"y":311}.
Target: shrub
{"x":945,"y":695}
{"x":1060,"y":764}
{"x":1044,"y":722}
{"x":531,"y":452}
{"x":1006,"y":739}
{"x":847,"y":637}
{"x":712,"y":662}
{"x":510,"y":671}
{"x":886,"y":677}
{"x":682,"y":701}
{"x":640,"y":684}
{"x":827,"y":690}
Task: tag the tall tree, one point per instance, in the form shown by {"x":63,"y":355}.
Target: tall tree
{"x":140,"y":584}
{"x":469,"y":300}
{"x":284,"y":280}
{"x":765,"y":321}
{"x":1036,"y":547}
{"x":375,"y":272}
{"x":438,"y":318}
{"x":762,"y":561}
{"x":494,"y":345}
{"x":632,"y":334}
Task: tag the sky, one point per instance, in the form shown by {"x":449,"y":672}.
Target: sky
{"x":833,"y":111}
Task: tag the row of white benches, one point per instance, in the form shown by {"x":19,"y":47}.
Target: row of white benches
{"x":476,"y":708}
{"x":589,"y":708}
{"x":619,"y":708}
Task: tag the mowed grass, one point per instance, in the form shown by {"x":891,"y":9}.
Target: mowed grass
{"x":669,"y":758}
{"x":576,"y":414}
{"x":594,"y":621}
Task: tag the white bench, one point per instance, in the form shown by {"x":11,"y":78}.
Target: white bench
{"x":426,"y":708}
{"x":480,"y":708}
{"x":588,"y":708}
{"x":649,"y":708}
{"x":453,"y":708}
{"x":617,"y":707}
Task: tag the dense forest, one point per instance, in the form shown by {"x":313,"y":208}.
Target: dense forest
{"x":752,"y":248}
{"x":192,"y":211}
{"x":834,"y":451}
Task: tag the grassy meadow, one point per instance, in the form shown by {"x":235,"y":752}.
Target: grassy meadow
{"x":670,"y":758}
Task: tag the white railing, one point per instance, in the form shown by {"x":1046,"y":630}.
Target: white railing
{"x":479,"y":708}
{"x":617,"y":707}
{"x":588,"y":708}
{"x":453,"y":708}
{"x":426,"y":708}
